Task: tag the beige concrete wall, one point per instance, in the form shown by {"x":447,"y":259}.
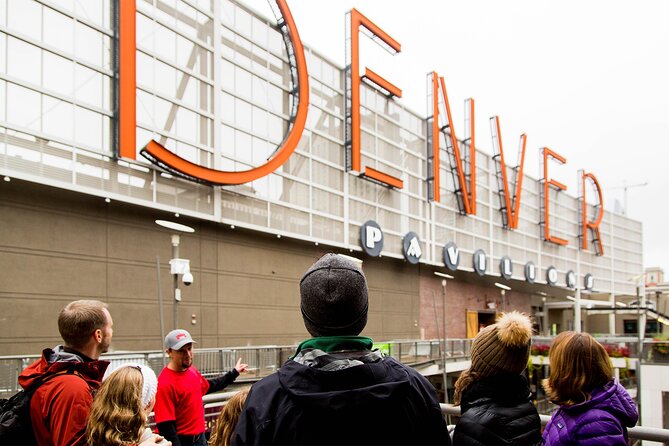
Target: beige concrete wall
{"x":57,"y":246}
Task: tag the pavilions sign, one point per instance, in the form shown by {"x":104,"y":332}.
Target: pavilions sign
{"x":466,"y":180}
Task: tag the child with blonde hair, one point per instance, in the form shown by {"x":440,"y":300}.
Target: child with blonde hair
{"x":227,"y":420}
{"x":121,"y":407}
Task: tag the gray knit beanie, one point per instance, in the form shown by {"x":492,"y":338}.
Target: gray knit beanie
{"x":333,"y":296}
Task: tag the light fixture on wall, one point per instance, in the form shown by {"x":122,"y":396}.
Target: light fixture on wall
{"x":444,"y":276}
{"x":502,"y":290}
{"x":178,"y":266}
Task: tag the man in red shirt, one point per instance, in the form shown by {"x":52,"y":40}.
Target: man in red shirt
{"x":59,"y":408}
{"x":179,"y":411}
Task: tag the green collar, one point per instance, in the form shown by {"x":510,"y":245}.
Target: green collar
{"x":336,"y":343}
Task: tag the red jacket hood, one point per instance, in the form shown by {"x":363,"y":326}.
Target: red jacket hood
{"x":57,"y":360}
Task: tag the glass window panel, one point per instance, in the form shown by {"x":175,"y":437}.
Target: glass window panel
{"x":206,"y":131}
{"x":243,"y":150}
{"x":3,"y":54}
{"x":242,"y":83}
{"x":58,"y":30}
{"x":185,"y":53}
{"x":324,"y":148}
{"x":327,"y":228}
{"x":57,"y":118}
{"x":24,"y":105}
{"x":165,"y":79}
{"x":259,"y":31}
{"x":188,"y":152}
{"x":24,"y":61}
{"x":91,"y":10}
{"x":25,"y":17}
{"x":294,"y":192}
{"x":227,"y":107}
{"x":144,"y":108}
{"x":227,"y":76}
{"x":288,"y":219}
{"x":297,"y":165}
{"x":106,"y":134}
{"x":242,"y":22}
{"x":88,"y":44}
{"x":243,"y":114}
{"x":161,"y":112}
{"x":205,"y":28}
{"x":88,"y":86}
{"x":3,"y":99}
{"x":145,"y":32}
{"x":186,"y":124}
{"x":88,"y":128}
{"x":361,"y":212}
{"x":276,"y":98}
{"x":165,"y":43}
{"x":327,"y":176}
{"x":261,"y":151}
{"x":259,"y":90}
{"x":277,"y":128}
{"x":276,"y":70}
{"x":327,"y":202}
{"x":144,"y":70}
{"x":259,"y":122}
{"x":3,"y":16}
{"x":187,"y":89}
{"x":186,"y":18}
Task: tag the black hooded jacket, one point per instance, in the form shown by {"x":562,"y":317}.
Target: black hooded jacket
{"x":498,"y":411}
{"x":379,"y":402}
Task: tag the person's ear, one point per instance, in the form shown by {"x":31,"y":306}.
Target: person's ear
{"x":98,"y":335}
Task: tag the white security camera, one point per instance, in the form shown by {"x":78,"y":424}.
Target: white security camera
{"x":187,"y":278}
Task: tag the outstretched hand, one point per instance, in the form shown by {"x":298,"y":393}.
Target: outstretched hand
{"x":241,"y":367}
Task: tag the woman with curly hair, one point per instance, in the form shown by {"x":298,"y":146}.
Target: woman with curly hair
{"x":121,"y":406}
{"x":494,"y":395}
{"x":594,"y":408}
{"x":227,"y":420}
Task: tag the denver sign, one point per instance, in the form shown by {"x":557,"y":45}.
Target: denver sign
{"x":511,"y":207}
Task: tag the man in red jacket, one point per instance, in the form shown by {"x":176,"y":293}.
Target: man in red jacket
{"x":59,"y":408}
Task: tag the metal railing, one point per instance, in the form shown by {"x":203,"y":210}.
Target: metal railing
{"x":214,"y":402}
{"x":262,"y":360}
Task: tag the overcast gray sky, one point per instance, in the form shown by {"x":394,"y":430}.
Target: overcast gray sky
{"x":588,"y":79}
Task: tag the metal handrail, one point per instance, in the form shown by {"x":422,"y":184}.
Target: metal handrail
{"x":635,"y":433}
{"x":263,"y":360}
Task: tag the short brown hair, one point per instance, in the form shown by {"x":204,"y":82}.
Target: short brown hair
{"x":578,"y":365}
{"x":79,"y":320}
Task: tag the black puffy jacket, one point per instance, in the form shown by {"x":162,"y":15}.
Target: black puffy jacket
{"x":380,"y":402}
{"x":498,"y":411}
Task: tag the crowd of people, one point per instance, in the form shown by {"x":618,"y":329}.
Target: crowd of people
{"x":335,"y":389}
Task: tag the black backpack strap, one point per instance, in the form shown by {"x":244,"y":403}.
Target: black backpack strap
{"x":71,"y":370}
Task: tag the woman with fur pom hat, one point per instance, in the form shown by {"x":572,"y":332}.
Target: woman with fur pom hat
{"x":493,"y":393}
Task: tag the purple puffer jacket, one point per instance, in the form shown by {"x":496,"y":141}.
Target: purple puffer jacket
{"x":602,"y":420}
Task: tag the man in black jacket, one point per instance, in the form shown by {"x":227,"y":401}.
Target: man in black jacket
{"x":336,"y":389}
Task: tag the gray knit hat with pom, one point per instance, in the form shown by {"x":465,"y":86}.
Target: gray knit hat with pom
{"x":333,"y":296}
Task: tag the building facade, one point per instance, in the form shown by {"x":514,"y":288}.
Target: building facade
{"x":116,"y":114}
